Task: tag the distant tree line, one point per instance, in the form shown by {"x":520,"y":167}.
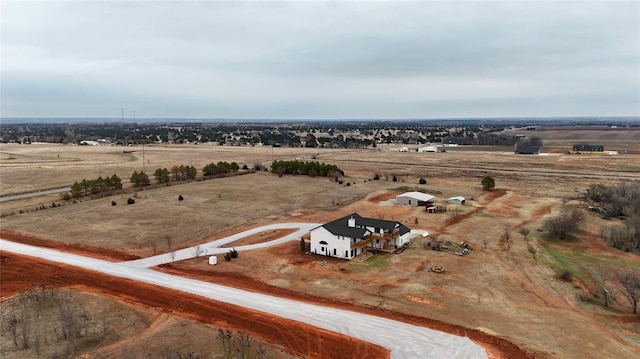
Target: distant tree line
{"x":220,"y":168}
{"x":309,"y":168}
{"x":96,"y":186}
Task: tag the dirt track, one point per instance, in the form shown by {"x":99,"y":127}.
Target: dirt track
{"x":19,"y":272}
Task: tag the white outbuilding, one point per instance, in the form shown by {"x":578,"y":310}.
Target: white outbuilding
{"x":414,"y":199}
{"x":456,"y":200}
{"x":428,"y":149}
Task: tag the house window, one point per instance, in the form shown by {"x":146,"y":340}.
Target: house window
{"x":322,"y":249}
{"x":334,"y":251}
{"x":346,"y":253}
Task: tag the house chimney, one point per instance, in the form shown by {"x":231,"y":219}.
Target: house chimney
{"x":351,"y":222}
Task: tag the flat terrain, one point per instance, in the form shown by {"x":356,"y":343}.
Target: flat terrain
{"x":499,"y":289}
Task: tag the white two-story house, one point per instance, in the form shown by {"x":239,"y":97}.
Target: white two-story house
{"x":351,"y":235}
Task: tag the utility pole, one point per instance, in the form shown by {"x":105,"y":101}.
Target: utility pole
{"x":143,"y":164}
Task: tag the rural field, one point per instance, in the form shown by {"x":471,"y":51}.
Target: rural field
{"x":501,"y":295}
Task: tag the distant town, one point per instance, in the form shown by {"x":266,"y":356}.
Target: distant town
{"x":309,"y":134}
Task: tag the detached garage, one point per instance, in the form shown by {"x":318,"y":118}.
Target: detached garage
{"x":414,"y":199}
{"x":456,"y":200}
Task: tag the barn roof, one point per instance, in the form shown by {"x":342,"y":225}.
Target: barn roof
{"x":417,"y":195}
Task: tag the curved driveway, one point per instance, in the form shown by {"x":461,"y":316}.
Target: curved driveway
{"x":213,"y":247}
{"x":403,"y":340}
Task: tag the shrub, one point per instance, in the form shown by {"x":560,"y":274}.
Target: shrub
{"x":233,"y":253}
{"x":422,"y":180}
{"x":566,"y":275}
{"x":131,"y":200}
{"x":564,"y":224}
{"x":488,"y":183}
{"x":376,"y":177}
{"x":113,"y":203}
{"x":227,"y":257}
{"x":245,"y":167}
{"x":348,"y":184}
{"x":395,"y":179}
{"x":180,"y":198}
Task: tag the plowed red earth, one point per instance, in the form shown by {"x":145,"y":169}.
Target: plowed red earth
{"x":17,"y":273}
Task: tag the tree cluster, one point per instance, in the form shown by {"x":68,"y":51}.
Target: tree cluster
{"x":531,"y":141}
{"x":624,"y":236}
{"x":42,"y":318}
{"x":95,"y":186}
{"x":220,"y":168}
{"x":140,"y":179}
{"x":564,"y":224}
{"x":162,"y":175}
{"x":306,"y":168}
{"x":183,"y":172}
{"x":620,"y":199}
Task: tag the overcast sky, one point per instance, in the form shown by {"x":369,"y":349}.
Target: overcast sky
{"x":320,"y":60}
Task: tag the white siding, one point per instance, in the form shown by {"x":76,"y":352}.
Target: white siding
{"x":342,"y":245}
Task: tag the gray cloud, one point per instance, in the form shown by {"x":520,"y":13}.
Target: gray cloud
{"x":320,"y":59}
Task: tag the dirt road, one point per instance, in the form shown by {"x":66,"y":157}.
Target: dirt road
{"x":401,"y":339}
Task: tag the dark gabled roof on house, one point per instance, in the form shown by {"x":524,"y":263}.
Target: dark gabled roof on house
{"x":340,"y":226}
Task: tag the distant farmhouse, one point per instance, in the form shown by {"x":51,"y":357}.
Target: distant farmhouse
{"x":351,"y":235}
{"x":417,"y":199}
{"x":585,"y":147}
{"x":527,"y":150}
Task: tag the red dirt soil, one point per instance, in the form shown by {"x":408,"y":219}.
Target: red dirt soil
{"x":19,"y":272}
{"x":100,"y":253}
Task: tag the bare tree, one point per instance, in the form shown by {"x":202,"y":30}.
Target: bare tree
{"x":198,"y":251}
{"x":173,"y":256}
{"x":533,"y":250}
{"x":154,"y":246}
{"x":244,"y":342}
{"x":455,"y":215}
{"x":603,"y":276}
{"x":629,"y":282}
{"x":168,"y":239}
{"x":524,"y":232}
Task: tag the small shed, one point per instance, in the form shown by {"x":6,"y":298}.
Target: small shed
{"x":414,"y":199}
{"x":456,"y":200}
{"x":213,"y":260}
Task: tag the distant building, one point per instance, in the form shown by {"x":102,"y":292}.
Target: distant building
{"x":527,"y":150}
{"x":428,"y":149}
{"x":456,"y":200}
{"x":414,"y":199}
{"x":585,"y":147}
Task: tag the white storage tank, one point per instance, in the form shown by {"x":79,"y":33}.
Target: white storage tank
{"x":213,"y":260}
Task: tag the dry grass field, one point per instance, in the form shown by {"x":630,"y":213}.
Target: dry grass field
{"x":499,"y":289}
